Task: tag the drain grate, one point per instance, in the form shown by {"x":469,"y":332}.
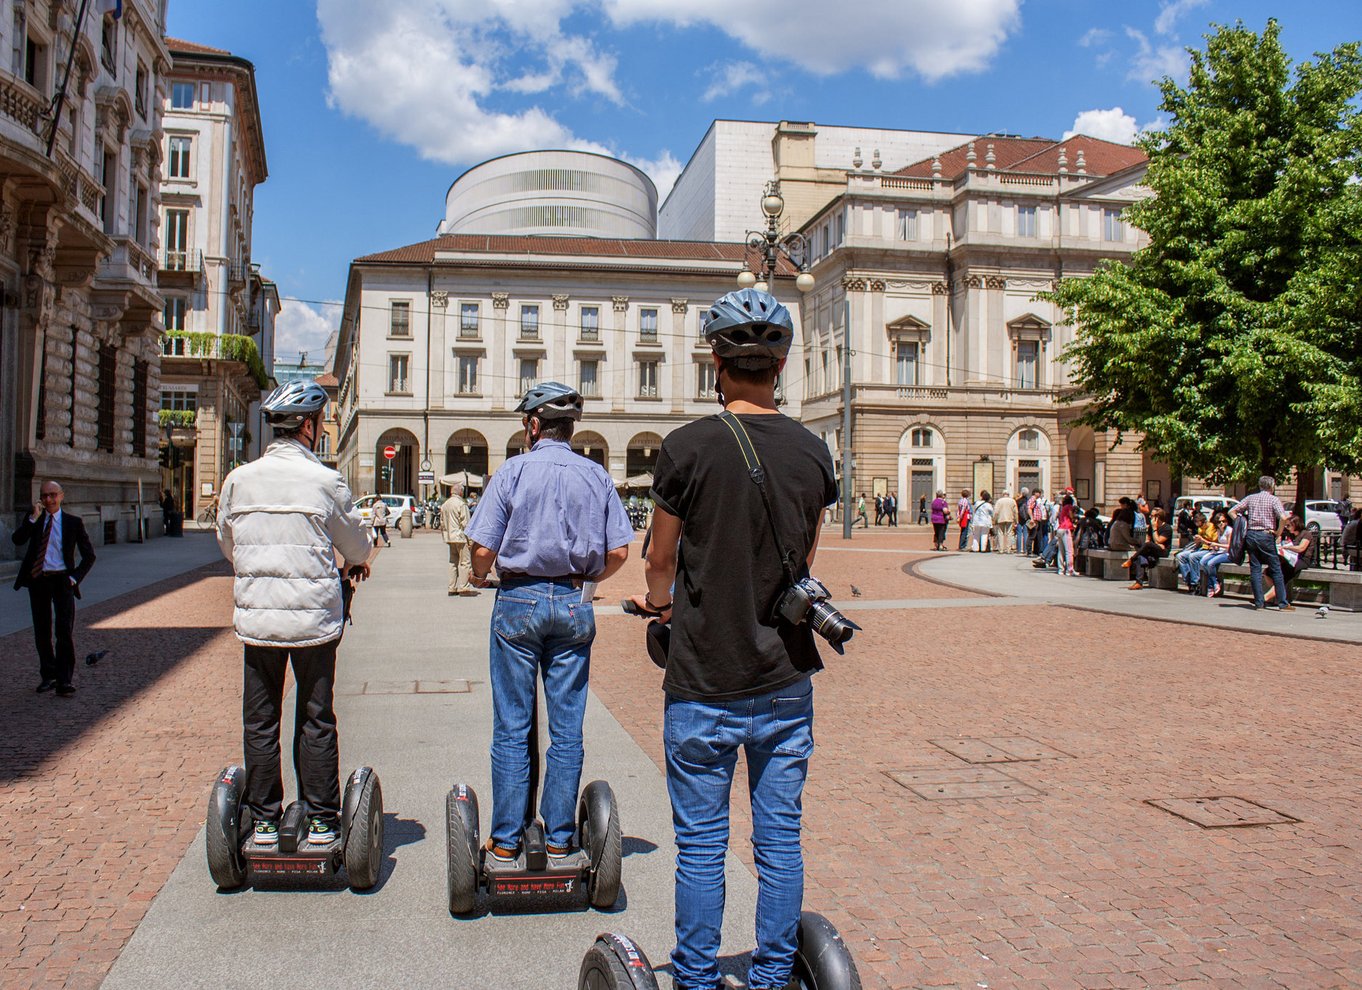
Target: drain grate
{"x":999,"y":749}
{"x":413,"y":687}
{"x":1222,"y":812}
{"x":947,"y":784}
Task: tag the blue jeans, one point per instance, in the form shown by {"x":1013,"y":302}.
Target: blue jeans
{"x":1023,"y":538}
{"x":539,"y":627}
{"x":1043,"y":541}
{"x":702,"y":740}
{"x":1211,"y":568}
{"x":1262,"y":551}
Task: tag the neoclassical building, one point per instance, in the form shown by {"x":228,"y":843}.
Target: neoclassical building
{"x":80,"y":311}
{"x":218,"y":350}
{"x":955,"y":364}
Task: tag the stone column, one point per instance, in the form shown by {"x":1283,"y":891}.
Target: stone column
{"x":439,"y":349}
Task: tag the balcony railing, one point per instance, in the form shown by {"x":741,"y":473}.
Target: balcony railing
{"x":19,"y":104}
{"x":591,"y":334}
{"x":182,"y":261}
{"x":237,"y":273}
{"x":216,"y":347}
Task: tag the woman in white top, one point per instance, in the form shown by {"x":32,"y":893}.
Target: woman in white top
{"x":981,"y":523}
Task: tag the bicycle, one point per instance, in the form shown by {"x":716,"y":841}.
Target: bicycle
{"x":209,"y":515}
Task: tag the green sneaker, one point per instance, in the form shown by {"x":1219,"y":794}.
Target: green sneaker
{"x":320,"y":832}
{"x":266,"y":833}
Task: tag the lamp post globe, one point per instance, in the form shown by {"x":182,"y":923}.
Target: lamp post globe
{"x":804,"y":282}
{"x":772,"y":204}
{"x":746,"y":279}
{"x":762,"y":286}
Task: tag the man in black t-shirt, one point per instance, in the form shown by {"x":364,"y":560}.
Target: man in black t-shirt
{"x":737,"y":676}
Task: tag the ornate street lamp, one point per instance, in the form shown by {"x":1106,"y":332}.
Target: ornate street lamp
{"x":770,"y":243}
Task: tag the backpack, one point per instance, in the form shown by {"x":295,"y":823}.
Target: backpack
{"x":1238,"y":543}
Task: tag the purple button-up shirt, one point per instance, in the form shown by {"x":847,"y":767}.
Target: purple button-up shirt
{"x":551,"y":513}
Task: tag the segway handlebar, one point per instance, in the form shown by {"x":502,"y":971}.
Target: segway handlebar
{"x":628,"y":607}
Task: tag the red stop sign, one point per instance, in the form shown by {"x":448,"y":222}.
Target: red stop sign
{"x":389,"y":452}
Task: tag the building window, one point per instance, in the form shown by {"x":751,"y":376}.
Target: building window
{"x":1028,"y":363}
{"x":324,"y":446}
{"x":35,"y":64}
{"x":1026,"y":221}
{"x":40,"y":428}
{"x":399,"y":319}
{"x":529,"y":374}
{"x":647,"y":326}
{"x":139,"y":212}
{"x":468,"y":374}
{"x":529,"y":322}
{"x":106,"y":385}
{"x":140,"y":91}
{"x":591,"y":323}
{"x":923,"y":436}
{"x":174,"y":317}
{"x":177,"y":240}
{"x":180,"y":397}
{"x":468,"y":320}
{"x":108,"y":172}
{"x":906,"y":362}
{"x":182,"y":96}
{"x":1112,"y":227}
{"x":588,"y":381}
{"x":178,"y":160}
{"x":647,"y":379}
{"x":1028,"y":440}
{"x":139,"y":408}
{"x":704,"y":380}
{"x":108,"y":50}
{"x":399,"y":373}
{"x":907,"y":225}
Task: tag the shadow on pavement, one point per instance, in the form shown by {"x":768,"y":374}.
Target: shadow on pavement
{"x":40,"y":726}
{"x":634,"y":846}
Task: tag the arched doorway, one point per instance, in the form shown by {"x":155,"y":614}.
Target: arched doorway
{"x":922,"y":468}
{"x":466,"y":451}
{"x":399,"y":474}
{"x":1028,"y":460}
{"x":593,"y":447}
{"x":641,"y":454}
{"x":1083,"y":464}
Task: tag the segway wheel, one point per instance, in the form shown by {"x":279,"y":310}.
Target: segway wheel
{"x":614,"y":962}
{"x":823,"y":961}
{"x":364,"y":839}
{"x":461,"y":848}
{"x":599,"y":831}
{"x":222,"y":830}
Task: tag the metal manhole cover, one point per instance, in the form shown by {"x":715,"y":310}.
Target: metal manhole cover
{"x":442,"y":687}
{"x":999,"y":749}
{"x":954,"y":784}
{"x":1222,"y":812}
{"x":411,"y":687}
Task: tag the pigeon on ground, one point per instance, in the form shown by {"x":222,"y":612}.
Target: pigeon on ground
{"x":1322,"y":612}
{"x":855,"y":592}
{"x":93,"y":658}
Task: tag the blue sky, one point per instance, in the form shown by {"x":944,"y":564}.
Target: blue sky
{"x":373,"y":107}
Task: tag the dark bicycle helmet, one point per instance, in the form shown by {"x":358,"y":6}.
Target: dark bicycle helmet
{"x":749,"y":328}
{"x":293,"y":403}
{"x":551,"y":400}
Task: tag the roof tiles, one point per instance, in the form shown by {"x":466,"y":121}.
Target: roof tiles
{"x":1041,"y":155}
{"x":575,"y":247}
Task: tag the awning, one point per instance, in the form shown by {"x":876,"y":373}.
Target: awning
{"x":462,"y":478}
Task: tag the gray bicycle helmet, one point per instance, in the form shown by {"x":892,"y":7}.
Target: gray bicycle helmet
{"x":293,"y":403}
{"x":552,"y":400}
{"x":749,"y":328}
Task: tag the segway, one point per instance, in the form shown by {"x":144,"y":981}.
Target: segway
{"x":593,"y":868}
{"x":822,"y":961}
{"x":234,"y":858}
{"x":614,"y":962}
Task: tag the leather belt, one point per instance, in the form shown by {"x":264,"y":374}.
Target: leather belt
{"x":575,"y":579}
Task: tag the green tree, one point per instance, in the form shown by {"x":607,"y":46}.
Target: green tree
{"x":1233,"y":341}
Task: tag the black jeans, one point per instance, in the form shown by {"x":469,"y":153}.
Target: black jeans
{"x":48,"y":594}
{"x":316,"y":755}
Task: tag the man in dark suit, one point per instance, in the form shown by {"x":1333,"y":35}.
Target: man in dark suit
{"x":52,"y":576}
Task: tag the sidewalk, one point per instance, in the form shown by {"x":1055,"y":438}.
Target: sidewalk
{"x":1013,"y":580}
{"x":119,"y":569}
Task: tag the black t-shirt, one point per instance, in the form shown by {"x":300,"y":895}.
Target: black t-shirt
{"x":726,"y":642}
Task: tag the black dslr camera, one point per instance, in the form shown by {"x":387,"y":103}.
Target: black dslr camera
{"x":807,"y":601}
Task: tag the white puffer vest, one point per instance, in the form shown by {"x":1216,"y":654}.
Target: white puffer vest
{"x":279,"y":519}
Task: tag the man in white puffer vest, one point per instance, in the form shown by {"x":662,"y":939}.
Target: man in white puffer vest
{"x":281,"y":522}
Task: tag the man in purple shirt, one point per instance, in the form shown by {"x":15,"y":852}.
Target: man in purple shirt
{"x":551,"y":522}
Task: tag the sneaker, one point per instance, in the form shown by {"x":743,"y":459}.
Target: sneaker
{"x":500,"y":854}
{"x":1286,"y":608}
{"x":266,"y":833}
{"x":559,"y":852}
{"x":320,"y":832}
{"x":65,"y":690}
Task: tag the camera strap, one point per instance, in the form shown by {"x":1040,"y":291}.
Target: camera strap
{"x":758,"y":475}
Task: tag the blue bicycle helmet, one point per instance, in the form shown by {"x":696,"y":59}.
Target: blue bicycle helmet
{"x":750,"y":328}
{"x":551,"y":400}
{"x":293,"y":403}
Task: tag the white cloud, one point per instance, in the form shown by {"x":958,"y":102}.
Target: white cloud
{"x":1095,"y":36}
{"x":663,"y":170}
{"x":887,"y":38}
{"x":301,"y":327}
{"x":1109,"y":125}
{"x":1152,"y":62}
{"x":729,"y":77}
{"x":1171,"y":10}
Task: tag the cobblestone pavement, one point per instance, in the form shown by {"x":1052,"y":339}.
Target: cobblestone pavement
{"x":1066,"y":876}
{"x":101,"y":793}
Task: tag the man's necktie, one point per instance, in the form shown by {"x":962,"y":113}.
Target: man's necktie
{"x":37,"y":569}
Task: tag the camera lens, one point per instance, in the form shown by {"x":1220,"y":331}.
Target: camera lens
{"x":829,"y":623}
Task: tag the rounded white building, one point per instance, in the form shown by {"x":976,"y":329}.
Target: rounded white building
{"x":554,"y":193}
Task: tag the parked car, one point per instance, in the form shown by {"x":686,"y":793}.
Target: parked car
{"x":1321,"y":515}
{"x":396,"y":503}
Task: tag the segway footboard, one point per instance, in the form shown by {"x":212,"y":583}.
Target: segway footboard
{"x":292,"y":856}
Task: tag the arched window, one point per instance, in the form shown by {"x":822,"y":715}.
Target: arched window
{"x":923,"y":436}
{"x":1028,"y":440}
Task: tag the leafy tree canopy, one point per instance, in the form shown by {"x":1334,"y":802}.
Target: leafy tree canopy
{"x":1233,"y":341}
